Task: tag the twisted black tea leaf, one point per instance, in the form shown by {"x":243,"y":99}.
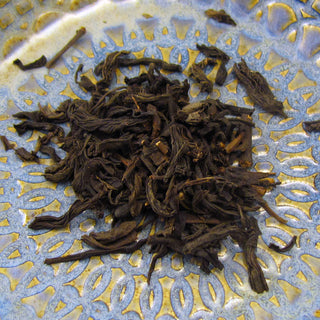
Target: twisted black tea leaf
{"x":311,"y":126}
{"x":258,"y":89}
{"x":220,"y":16}
{"x":41,"y":62}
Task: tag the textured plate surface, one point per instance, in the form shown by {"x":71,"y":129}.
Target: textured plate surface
{"x":20,"y":19}
{"x":278,"y":39}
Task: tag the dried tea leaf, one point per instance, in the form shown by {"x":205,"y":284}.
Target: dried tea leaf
{"x":220,"y":16}
{"x":258,"y":89}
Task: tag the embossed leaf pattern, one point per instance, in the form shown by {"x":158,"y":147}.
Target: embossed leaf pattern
{"x":280,"y":39}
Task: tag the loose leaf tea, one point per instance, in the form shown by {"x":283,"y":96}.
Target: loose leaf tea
{"x":311,"y":126}
{"x":22,"y":153}
{"x":215,"y":54}
{"x":41,"y":62}
{"x":25,"y":155}
{"x":196,"y":72}
{"x":6,"y":143}
{"x":258,"y":89}
{"x":286,"y":248}
{"x":147,"y":155}
{"x":220,"y":16}
{"x":77,"y":36}
{"x":200,"y":77}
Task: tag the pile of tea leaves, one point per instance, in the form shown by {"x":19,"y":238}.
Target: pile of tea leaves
{"x":146,"y":155}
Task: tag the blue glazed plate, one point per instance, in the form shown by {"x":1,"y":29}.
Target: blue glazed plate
{"x":278,"y":39}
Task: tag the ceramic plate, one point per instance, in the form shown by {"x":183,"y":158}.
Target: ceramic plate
{"x":278,"y":39}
